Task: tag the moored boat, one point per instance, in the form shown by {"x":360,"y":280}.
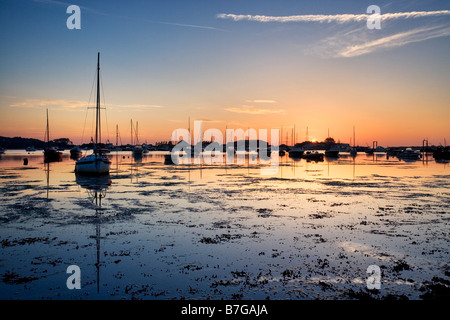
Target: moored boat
{"x":296,"y":152}
{"x":50,"y":153}
{"x":313,"y":155}
{"x":75,"y":152}
{"x":96,"y":163}
{"x":442,"y":153}
{"x":332,"y":152}
{"x":409,"y":153}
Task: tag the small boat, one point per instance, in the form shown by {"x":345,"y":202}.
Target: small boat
{"x":409,"y":154}
{"x":442,"y":153}
{"x":103,"y":150}
{"x":30,"y":149}
{"x":75,"y":152}
{"x":168,"y":159}
{"x":310,"y":155}
{"x":149,"y":147}
{"x":332,"y":152}
{"x":50,"y":153}
{"x":163,"y":147}
{"x":296,"y":152}
{"x":354,"y":152}
{"x":2,"y":151}
{"x":138,"y":151}
{"x":393,"y":151}
{"x":96,"y":163}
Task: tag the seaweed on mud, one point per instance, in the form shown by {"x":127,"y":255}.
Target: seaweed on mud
{"x":264,"y":212}
{"x":40,"y":261}
{"x":220,"y":238}
{"x":436,"y":289}
{"x":20,"y":242}
{"x":31,"y":208}
{"x":221,"y":225}
{"x":320,"y":215}
{"x":373,"y":294}
{"x":13,"y":278}
{"x":401,"y":265}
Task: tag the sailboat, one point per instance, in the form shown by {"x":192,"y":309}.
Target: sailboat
{"x":96,"y":163}
{"x":354,"y":152}
{"x":137,"y":149}
{"x":50,"y":153}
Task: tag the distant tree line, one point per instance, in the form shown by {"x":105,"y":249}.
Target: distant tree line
{"x":22,"y":143}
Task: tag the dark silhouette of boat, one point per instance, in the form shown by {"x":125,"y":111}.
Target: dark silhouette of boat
{"x":50,"y":153}
{"x":96,"y":163}
{"x":442,"y":153}
{"x":409,"y":154}
{"x":76,"y":152}
{"x":296,"y":152}
{"x":332,"y":152}
{"x":313,"y":155}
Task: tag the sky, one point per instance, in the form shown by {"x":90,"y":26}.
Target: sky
{"x":258,"y":64}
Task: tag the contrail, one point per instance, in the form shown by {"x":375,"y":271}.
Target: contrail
{"x":338,"y":18}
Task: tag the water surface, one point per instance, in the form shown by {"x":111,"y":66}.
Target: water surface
{"x":156,"y":231}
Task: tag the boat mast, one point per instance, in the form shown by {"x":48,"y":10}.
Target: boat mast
{"x":117,"y":135}
{"x":47,"y":133}
{"x":131,"y":132}
{"x":354,"y":142}
{"x":98,"y":137}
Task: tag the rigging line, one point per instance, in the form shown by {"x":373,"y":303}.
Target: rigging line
{"x":87,"y":109}
{"x":104,"y":103}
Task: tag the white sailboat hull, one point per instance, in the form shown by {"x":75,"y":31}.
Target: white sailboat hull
{"x":93,"y":164}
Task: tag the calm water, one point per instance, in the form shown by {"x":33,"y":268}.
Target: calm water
{"x":156,"y":231}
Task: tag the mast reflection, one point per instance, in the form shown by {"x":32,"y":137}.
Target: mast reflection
{"x":96,"y":187}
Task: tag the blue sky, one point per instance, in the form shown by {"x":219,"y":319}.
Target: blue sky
{"x":163,"y":61}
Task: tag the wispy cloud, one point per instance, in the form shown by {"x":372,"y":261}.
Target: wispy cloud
{"x":49,"y":103}
{"x":97,"y":12}
{"x":395,"y":40}
{"x":261,"y":101}
{"x":136,"y":106}
{"x":254,"y":110}
{"x":358,"y":41}
{"x":208,"y":120}
{"x":336,"y":18}
{"x":61,"y":104}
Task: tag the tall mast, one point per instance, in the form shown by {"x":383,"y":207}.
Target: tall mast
{"x":137,"y":133}
{"x":117,"y":135}
{"x":354,"y":142}
{"x":131,"y":132}
{"x":98,"y":137}
{"x":47,"y":133}
{"x":294,"y":135}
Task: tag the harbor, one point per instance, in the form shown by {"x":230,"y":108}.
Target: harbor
{"x":152,"y":231}
{"x":225,"y":158}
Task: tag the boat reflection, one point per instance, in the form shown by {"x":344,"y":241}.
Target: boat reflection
{"x":96,"y":187}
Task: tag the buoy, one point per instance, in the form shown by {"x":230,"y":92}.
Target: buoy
{"x":25,"y":161}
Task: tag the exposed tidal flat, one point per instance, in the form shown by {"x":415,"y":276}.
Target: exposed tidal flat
{"x":156,"y":231}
